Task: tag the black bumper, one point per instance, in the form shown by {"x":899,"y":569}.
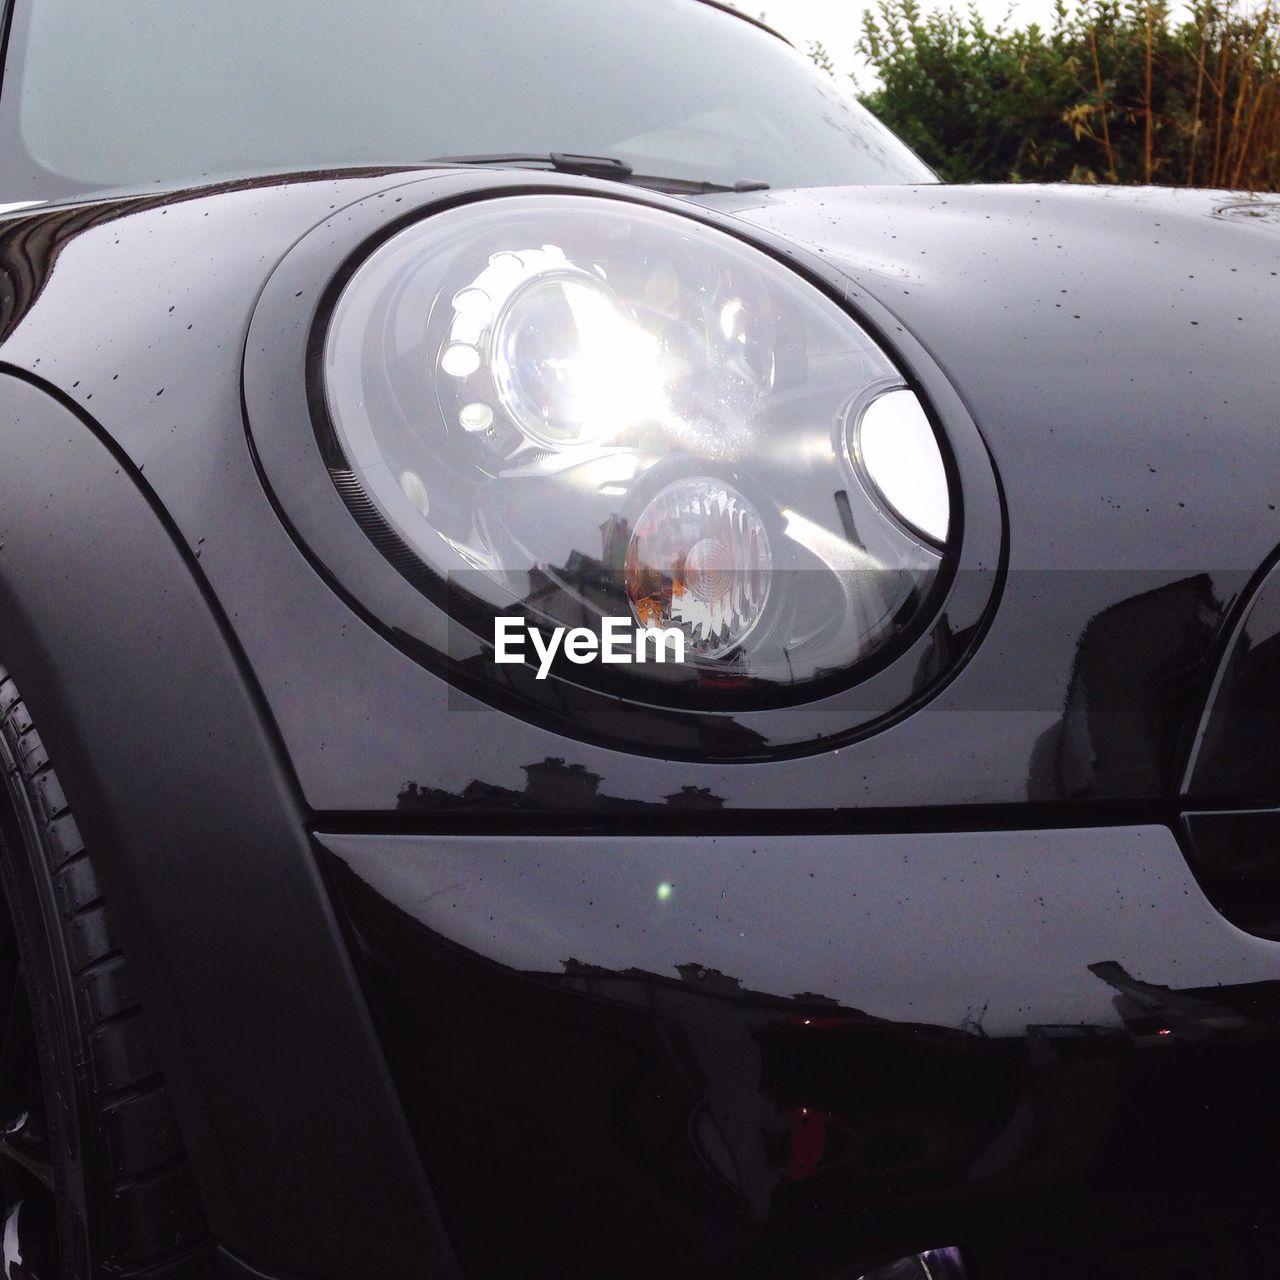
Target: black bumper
{"x":702,"y":1057}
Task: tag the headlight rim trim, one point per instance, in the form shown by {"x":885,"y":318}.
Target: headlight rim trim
{"x":291,"y":305}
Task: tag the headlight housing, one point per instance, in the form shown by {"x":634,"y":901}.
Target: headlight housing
{"x":571,"y":409}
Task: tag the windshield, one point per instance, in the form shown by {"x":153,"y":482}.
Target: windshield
{"x":102,"y":94}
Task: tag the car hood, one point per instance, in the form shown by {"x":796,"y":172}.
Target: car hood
{"x":1117,"y":348}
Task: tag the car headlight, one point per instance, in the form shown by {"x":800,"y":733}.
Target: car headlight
{"x":572,"y":409}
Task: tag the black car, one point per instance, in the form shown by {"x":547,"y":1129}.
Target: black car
{"x":602,"y":680}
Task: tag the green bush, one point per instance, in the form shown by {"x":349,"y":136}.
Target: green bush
{"x":1110,"y":92}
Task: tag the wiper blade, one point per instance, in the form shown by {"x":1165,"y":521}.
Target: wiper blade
{"x":696,"y":186}
{"x":560,"y":161}
{"x":599,"y":167}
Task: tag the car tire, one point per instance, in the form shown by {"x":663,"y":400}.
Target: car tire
{"x":94,"y":1175}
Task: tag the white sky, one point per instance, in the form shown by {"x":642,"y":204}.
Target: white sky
{"x":837,"y":22}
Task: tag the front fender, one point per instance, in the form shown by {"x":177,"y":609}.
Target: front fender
{"x":180,"y":787}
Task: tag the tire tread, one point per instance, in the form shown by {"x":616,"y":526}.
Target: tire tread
{"x":156,"y":1228}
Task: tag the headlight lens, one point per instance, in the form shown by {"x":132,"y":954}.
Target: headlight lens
{"x":574,"y":409}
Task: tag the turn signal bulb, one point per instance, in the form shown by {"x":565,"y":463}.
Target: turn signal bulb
{"x":699,"y":559}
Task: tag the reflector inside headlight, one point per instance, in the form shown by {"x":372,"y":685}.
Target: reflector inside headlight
{"x":576,"y":409}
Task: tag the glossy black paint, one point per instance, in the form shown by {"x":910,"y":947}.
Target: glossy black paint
{"x":1238,"y":747}
{"x":808,"y":1054}
{"x":177,"y":622}
{"x":1116,"y":491}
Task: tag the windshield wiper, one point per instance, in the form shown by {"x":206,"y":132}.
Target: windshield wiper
{"x":599,"y":167}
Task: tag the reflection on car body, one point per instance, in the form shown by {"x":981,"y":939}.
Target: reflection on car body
{"x":922,"y":922}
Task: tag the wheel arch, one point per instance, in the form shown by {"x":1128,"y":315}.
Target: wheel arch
{"x":182,"y":789}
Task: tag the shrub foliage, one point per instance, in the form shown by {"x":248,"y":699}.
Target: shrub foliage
{"x":1111,"y":91}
